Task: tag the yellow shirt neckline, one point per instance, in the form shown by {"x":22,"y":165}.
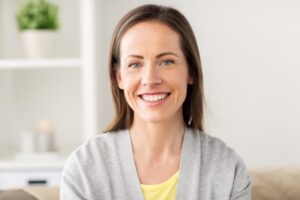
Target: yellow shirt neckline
{"x":159,"y":185}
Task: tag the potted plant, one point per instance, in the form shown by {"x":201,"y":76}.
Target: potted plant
{"x":38,"y":22}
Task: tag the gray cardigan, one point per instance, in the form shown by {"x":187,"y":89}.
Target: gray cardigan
{"x":104,"y":169}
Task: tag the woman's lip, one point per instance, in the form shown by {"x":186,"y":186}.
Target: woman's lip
{"x":153,"y":93}
{"x":154,"y":103}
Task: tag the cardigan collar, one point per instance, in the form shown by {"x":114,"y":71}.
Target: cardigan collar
{"x":190,"y":154}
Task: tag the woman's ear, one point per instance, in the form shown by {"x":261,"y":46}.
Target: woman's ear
{"x":119,"y":79}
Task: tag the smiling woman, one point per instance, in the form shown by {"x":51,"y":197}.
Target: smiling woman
{"x":155,"y":148}
{"x":153,"y":73}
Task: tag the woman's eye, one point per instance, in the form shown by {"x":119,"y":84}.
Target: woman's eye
{"x":167,"y":62}
{"x":134,"y":65}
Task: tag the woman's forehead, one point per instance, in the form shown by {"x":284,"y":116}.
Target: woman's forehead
{"x":149,"y":37}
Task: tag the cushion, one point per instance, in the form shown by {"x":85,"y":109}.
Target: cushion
{"x":16,"y":194}
{"x":276,"y":184}
{"x":42,"y":192}
{"x":31,"y":193}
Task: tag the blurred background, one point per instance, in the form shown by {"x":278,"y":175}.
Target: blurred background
{"x":250,"y":59}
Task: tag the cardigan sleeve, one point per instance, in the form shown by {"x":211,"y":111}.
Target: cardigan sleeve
{"x":242,"y":185}
{"x":72,"y":181}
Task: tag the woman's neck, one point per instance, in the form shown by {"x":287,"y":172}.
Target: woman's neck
{"x":157,"y":138}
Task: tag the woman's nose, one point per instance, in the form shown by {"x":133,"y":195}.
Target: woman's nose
{"x":151,"y":76}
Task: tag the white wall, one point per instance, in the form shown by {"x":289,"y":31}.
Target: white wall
{"x":49,"y":94}
{"x":249,"y":52}
{"x":105,"y":108}
{"x":250,"y":62}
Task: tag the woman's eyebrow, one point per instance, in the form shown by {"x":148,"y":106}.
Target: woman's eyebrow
{"x":134,"y":56}
{"x":166,"y":53}
{"x":158,"y":56}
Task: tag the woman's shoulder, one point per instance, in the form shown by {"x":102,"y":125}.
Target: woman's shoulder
{"x":107,"y":138}
{"x":222,"y":167}
{"x":215,"y":148}
{"x":96,"y":146}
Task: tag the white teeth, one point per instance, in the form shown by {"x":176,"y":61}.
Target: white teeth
{"x":156,"y":97}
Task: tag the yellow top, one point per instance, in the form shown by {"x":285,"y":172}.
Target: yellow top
{"x":165,"y":190}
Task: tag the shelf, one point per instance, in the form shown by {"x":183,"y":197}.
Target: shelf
{"x":30,"y":90}
{"x":42,"y":63}
{"x":16,"y":165}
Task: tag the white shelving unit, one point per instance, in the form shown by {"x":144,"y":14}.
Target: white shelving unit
{"x":45,"y":63}
{"x":15,"y":71}
{"x":14,"y":174}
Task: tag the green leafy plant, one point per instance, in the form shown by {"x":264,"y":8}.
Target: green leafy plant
{"x":38,"y":14}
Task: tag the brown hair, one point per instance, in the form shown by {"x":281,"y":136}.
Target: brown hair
{"x":193,"y":105}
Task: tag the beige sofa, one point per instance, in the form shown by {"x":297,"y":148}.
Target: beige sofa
{"x":276,"y":184}
{"x":31,"y":193}
{"x":268,"y":184}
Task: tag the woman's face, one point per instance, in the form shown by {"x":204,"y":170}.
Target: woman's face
{"x":153,"y":72}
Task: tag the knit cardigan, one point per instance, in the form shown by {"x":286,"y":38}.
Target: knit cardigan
{"x":104,"y":169}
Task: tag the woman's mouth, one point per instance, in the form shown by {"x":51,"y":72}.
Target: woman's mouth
{"x":153,"y":97}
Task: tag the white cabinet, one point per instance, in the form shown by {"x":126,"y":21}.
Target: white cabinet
{"x":61,"y":88}
{"x":19,"y":174}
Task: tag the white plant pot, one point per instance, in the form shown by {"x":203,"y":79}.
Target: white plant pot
{"x":37,"y":44}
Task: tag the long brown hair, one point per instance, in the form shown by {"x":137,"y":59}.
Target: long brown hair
{"x":193,"y":106}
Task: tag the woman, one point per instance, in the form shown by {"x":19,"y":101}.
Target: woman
{"x":155,"y":148}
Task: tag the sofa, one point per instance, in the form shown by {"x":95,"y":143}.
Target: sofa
{"x":276,"y":184}
{"x":31,"y":193}
{"x":268,"y":184}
